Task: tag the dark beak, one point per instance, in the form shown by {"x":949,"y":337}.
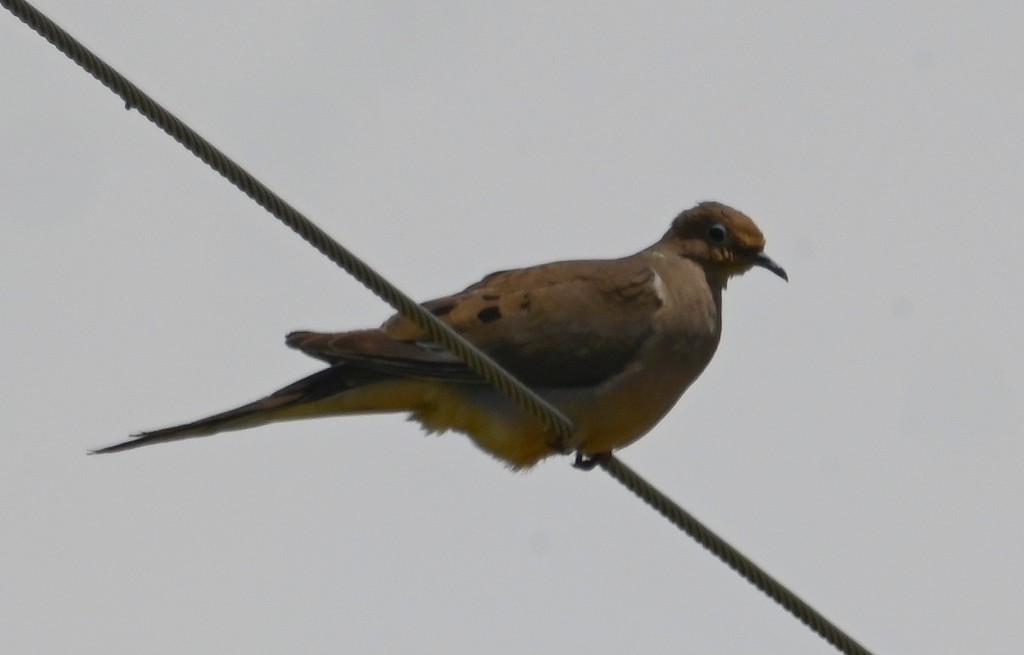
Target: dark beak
{"x":764,"y":261}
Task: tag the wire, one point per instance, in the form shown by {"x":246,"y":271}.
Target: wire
{"x":560,"y":426}
{"x":476,"y":359}
{"x":736,"y":560}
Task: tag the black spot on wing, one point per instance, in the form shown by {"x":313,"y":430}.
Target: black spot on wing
{"x":488,"y":314}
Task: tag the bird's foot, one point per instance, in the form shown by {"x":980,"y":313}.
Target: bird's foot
{"x":585,"y":463}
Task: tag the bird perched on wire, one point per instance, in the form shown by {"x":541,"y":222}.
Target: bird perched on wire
{"x":611,"y":343}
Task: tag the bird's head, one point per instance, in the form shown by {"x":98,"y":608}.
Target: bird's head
{"x":723,"y":240}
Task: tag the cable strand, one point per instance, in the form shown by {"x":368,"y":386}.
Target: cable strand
{"x":560,"y":426}
{"x":736,"y":560}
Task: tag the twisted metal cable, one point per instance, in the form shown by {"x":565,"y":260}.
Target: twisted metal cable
{"x":560,"y":426}
{"x":736,"y":560}
{"x":477,"y":360}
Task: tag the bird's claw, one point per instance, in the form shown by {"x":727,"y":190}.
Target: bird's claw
{"x":585,"y":463}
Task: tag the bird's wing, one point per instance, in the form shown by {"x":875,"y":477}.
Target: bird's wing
{"x":566,"y":324}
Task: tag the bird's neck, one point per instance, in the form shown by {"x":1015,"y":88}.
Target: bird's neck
{"x":667,"y":262}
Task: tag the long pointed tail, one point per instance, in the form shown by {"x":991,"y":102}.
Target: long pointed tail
{"x":284,"y":404}
{"x":247,"y":416}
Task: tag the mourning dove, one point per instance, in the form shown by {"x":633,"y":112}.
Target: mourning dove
{"x":613,"y":344}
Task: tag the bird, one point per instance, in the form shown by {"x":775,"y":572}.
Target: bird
{"x":612,"y":343}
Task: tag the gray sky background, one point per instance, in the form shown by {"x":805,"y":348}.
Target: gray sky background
{"x":858,"y":433}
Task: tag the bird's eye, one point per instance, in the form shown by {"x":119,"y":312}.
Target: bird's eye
{"x":717,"y":233}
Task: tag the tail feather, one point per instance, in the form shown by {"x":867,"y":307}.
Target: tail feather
{"x":246,"y":416}
{"x":281,"y":405}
